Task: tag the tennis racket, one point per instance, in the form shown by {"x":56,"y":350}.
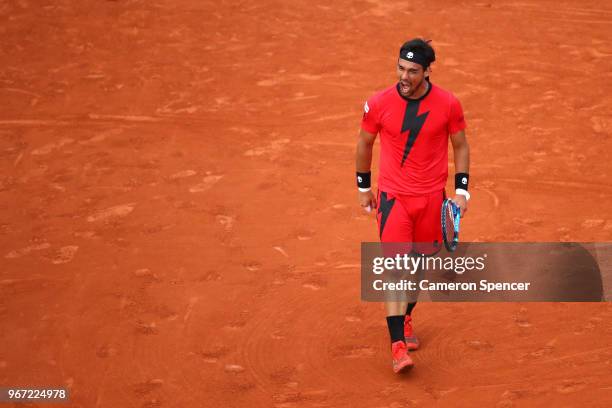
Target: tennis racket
{"x":450,"y":224}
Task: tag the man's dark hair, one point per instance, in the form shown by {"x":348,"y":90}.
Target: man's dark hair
{"x":420,"y":46}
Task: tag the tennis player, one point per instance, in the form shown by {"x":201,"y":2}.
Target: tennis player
{"x":415,"y":119}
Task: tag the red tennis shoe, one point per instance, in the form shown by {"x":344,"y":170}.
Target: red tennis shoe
{"x":412,"y":343}
{"x":401,"y":358}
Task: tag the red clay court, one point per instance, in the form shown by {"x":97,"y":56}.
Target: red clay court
{"x":179,"y":224}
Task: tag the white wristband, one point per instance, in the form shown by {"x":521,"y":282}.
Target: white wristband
{"x":463,"y":192}
{"x":364,"y":190}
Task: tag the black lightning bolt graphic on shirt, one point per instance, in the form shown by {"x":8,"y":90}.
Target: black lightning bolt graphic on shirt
{"x":384,"y":208}
{"x":413,"y":123}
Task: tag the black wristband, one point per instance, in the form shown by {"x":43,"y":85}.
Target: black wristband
{"x":364,"y":179}
{"x":461,"y":181}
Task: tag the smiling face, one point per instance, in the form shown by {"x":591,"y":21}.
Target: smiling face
{"x":411,"y":78}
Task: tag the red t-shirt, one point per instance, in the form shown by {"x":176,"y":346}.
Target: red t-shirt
{"x":413,"y":138}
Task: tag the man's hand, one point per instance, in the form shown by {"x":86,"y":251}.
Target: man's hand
{"x":461,"y":202}
{"x":363,"y":159}
{"x":367,"y":200}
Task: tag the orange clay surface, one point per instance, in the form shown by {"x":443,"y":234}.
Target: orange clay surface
{"x":179,"y":223}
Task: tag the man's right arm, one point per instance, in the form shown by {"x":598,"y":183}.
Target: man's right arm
{"x":363,"y":160}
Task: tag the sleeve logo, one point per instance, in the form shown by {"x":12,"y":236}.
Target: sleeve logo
{"x":366,"y":108}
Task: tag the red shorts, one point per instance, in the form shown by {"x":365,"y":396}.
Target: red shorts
{"x":414,"y":219}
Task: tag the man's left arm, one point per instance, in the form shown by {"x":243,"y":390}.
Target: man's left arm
{"x":461,"y":152}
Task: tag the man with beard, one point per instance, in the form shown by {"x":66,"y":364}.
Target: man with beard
{"x":415,"y":120}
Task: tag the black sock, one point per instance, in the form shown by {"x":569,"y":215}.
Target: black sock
{"x":396,"y":328}
{"x":409,"y":308}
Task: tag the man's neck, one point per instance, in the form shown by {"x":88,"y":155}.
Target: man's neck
{"x":421,"y":94}
{"x":423,"y":91}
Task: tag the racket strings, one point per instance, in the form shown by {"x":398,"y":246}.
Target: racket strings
{"x":450,"y":221}
{"x":450,"y":224}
